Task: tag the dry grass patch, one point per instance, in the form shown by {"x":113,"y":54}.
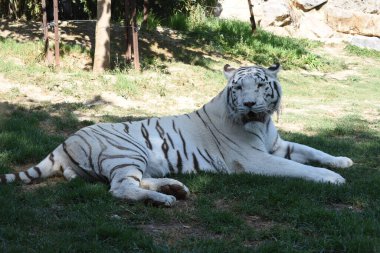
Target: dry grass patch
{"x":342,"y":207}
{"x":173,"y":233}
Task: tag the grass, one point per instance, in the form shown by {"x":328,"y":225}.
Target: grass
{"x":241,"y":212}
{"x":226,"y":213}
{"x":355,"y":50}
{"x":233,"y":37}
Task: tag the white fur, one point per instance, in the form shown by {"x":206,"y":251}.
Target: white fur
{"x":221,"y":137}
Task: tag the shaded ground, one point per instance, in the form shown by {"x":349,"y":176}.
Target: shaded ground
{"x":338,"y":112}
{"x":166,"y":44}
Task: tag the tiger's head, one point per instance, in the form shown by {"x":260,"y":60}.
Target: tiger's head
{"x":252,"y":92}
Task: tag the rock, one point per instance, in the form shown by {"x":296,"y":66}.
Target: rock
{"x":365,"y":42}
{"x":286,"y":31}
{"x":353,"y":22}
{"x":324,"y":20}
{"x":217,"y":10}
{"x":365,"y":6}
{"x":307,"y":5}
{"x":313,"y":26}
{"x":233,"y":9}
{"x":275,"y":14}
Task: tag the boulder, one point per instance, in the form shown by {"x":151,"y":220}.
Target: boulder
{"x":233,"y":9}
{"x":307,"y":5}
{"x":353,"y":22}
{"x":275,"y":14}
{"x":313,"y":26}
{"x":365,"y":42}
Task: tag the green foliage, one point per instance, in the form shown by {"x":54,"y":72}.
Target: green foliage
{"x":178,"y":21}
{"x":167,"y":8}
{"x":362,"y":51}
{"x":152,"y":22}
{"x":235,"y":38}
{"x":86,"y":9}
{"x":20,"y":9}
{"x":89,"y":7}
{"x":197,"y":16}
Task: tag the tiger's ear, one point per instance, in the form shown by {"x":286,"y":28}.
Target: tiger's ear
{"x":274,"y":69}
{"x":228,"y":71}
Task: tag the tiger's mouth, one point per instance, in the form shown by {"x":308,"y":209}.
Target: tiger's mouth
{"x":254,"y":116}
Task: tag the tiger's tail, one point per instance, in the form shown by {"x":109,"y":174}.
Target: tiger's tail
{"x":46,"y":168}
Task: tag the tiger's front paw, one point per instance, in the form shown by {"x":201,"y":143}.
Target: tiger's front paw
{"x":342,"y":162}
{"x":328,"y":176}
{"x":161,"y":200}
{"x":334,"y":179}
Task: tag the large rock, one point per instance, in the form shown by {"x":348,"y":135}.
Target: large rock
{"x":353,"y":22}
{"x":312,"y":25}
{"x":275,"y":14}
{"x":365,"y":6}
{"x":308,"y":4}
{"x":233,"y":9}
{"x":365,"y":42}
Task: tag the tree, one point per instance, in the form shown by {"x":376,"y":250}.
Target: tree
{"x":102,"y":36}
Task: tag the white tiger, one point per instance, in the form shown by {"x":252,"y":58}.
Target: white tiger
{"x":232,"y":133}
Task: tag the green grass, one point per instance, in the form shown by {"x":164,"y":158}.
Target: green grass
{"x":178,"y":21}
{"x":235,"y":38}
{"x":124,"y":86}
{"x":225,"y":213}
{"x":293,"y":215}
{"x":362,"y":51}
{"x":151,"y":23}
{"x":240,"y":213}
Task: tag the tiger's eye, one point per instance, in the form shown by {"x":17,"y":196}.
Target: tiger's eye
{"x":260,"y":85}
{"x":238,"y":87}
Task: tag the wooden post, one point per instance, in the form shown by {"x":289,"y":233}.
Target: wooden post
{"x":136,"y":58}
{"x":56,"y":34}
{"x":47,"y":53}
{"x":131,"y":33}
{"x":128,"y":30}
{"x":252,"y":18}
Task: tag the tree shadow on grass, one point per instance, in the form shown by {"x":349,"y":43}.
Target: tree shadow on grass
{"x":27,"y":135}
{"x":165,"y":45}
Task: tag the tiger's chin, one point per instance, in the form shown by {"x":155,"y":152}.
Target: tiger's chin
{"x":254,"y":117}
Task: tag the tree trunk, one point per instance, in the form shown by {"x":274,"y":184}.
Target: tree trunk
{"x":102,"y":36}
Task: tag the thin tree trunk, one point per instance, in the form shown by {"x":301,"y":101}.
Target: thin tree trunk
{"x":47,"y":52}
{"x":252,"y":18}
{"x":135,"y":36}
{"x":145,"y":11}
{"x":102,"y":36}
{"x":128,"y":31}
{"x":56,"y":35}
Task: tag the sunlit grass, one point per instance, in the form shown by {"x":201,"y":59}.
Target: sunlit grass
{"x":225,"y":213}
{"x":235,"y":38}
{"x":363,"y":51}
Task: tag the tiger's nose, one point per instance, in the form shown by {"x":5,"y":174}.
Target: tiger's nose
{"x":249,"y":104}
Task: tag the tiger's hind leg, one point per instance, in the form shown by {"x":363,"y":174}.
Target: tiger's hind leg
{"x":126,"y":184}
{"x":167,"y":186}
